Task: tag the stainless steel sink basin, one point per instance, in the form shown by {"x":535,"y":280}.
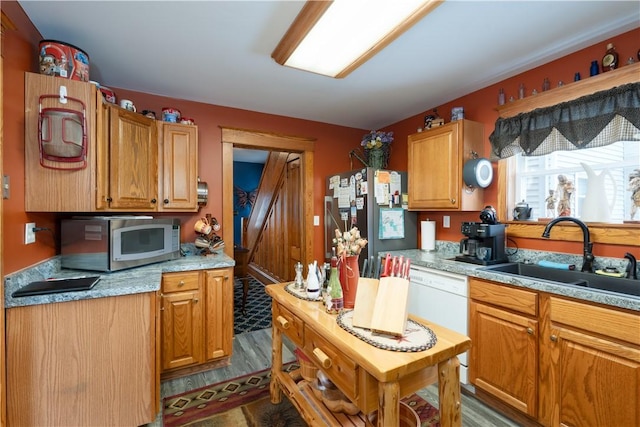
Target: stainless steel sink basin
{"x":568,"y":277}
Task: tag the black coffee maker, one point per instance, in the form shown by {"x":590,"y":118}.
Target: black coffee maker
{"x":485,"y":241}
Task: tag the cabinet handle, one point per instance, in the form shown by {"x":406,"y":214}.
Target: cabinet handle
{"x":161,"y":308}
{"x":284,"y":323}
{"x":324,"y":360}
{"x":553,"y":338}
{"x":109,"y":199}
{"x":195,"y":300}
{"x":453,"y":201}
{"x":530,"y":331}
{"x":153,"y":201}
{"x":166,"y":201}
{"x":181,"y":283}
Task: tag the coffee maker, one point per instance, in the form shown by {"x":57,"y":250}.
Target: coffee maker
{"x":484,"y":243}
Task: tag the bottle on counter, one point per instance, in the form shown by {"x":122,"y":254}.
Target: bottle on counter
{"x":594,"y":70}
{"x":335,"y":301}
{"x":501,"y":97}
{"x":610,"y":59}
{"x":521,"y":91}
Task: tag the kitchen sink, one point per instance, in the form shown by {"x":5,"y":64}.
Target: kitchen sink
{"x":568,"y":277}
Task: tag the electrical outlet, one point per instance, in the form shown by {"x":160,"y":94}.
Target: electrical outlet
{"x":29,"y":234}
{"x":446,"y":221}
{"x":316,"y":220}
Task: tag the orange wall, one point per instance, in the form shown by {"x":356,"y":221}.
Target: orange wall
{"x":20,"y":55}
{"x":480,"y":106}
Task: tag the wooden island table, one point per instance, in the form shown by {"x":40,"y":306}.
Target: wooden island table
{"x":372,"y":378}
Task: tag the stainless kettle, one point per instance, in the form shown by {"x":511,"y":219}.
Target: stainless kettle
{"x":521,"y":212}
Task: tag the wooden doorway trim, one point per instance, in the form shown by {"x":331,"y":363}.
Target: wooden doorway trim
{"x":252,"y":139}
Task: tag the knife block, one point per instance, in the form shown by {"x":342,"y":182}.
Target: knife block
{"x":381,"y":305}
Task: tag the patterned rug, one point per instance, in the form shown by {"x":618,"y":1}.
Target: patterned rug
{"x":245,"y":401}
{"x":258,"y":308}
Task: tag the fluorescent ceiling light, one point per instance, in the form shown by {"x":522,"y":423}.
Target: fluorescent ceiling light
{"x":333,"y":38}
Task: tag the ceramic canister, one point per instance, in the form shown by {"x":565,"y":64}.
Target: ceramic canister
{"x":170,"y":115}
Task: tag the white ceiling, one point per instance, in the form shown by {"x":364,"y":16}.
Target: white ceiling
{"x":219,"y":52}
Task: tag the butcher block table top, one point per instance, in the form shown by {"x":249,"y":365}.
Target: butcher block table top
{"x":396,"y":374}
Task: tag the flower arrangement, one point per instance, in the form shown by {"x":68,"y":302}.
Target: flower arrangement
{"x":349,"y":243}
{"x":376,"y":139}
{"x":377,"y":145}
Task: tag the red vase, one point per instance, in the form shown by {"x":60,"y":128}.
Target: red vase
{"x":349,"y":276}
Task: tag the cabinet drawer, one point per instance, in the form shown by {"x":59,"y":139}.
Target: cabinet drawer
{"x":519,"y":300}
{"x":610,"y":322}
{"x":339,"y":368}
{"x":290,"y":325}
{"x":178,"y":282}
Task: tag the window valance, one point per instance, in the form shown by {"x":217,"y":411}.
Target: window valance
{"x":594,"y":120}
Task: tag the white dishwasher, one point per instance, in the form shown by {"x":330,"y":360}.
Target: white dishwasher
{"x":441,"y":297}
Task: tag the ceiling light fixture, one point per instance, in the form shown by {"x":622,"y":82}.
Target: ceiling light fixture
{"x":334,"y":38}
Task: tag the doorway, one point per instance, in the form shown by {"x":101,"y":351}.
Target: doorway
{"x":242,"y":138}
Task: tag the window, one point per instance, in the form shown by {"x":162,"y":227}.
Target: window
{"x":537,"y":179}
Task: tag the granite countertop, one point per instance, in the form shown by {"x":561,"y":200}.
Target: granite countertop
{"x":442,"y":259}
{"x":124,"y":282}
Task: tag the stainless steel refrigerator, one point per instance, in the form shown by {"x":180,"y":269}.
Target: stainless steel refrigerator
{"x":375,"y":201}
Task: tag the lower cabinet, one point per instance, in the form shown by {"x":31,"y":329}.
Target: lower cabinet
{"x":560,"y":361}
{"x":196,"y":319}
{"x":81,"y":363}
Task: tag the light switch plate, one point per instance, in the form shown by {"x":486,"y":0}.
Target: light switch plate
{"x":446,"y":221}
{"x":316,"y":220}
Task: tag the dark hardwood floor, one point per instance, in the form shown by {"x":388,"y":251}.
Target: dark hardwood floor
{"x":252,"y":352}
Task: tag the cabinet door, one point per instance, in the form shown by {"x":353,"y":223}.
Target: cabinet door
{"x":504,"y":356}
{"x":133,"y":161}
{"x":179,"y":167}
{"x":599,"y":380}
{"x":219,"y":313}
{"x":434,"y":171}
{"x":47,"y":189}
{"x":181,"y":329}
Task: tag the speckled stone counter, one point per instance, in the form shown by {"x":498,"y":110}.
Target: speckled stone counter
{"x":125,"y":282}
{"x":443,"y":259}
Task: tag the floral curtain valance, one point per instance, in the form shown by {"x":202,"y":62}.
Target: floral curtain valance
{"x":590,"y":121}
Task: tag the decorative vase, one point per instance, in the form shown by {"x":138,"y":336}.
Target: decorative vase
{"x":376,"y":158}
{"x":349,"y":276}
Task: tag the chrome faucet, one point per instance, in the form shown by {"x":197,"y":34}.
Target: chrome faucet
{"x":587,"y":257}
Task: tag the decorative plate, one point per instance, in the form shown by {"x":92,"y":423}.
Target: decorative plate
{"x":416,"y":337}
{"x":300,"y":293}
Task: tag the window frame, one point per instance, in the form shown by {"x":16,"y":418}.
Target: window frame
{"x":627,"y":234}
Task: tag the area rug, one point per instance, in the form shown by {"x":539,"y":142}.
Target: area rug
{"x":257,"y":311}
{"x":245,"y":402}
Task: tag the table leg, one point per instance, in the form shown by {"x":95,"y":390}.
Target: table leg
{"x":245,"y":292}
{"x":449,"y":393}
{"x":388,"y":404}
{"x":276,"y":362}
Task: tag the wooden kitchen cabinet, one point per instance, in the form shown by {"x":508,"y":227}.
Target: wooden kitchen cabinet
{"x":558,"y":360}
{"x":133,"y":163}
{"x":127,"y":170}
{"x":181,"y":307}
{"x":196,"y":321}
{"x":503,"y":326}
{"x":218,"y":313}
{"x":53,"y":190}
{"x":81,"y":363}
{"x":590,"y":364}
{"x":178,"y":166}
{"x":436,"y":158}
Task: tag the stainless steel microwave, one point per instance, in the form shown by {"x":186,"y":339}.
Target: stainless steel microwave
{"x":111,"y":243}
